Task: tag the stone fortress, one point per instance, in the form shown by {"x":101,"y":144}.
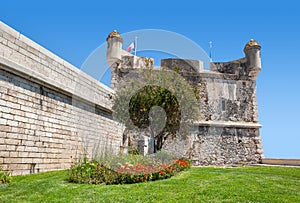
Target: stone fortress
{"x":228,"y":132}
{"x":51,"y":113}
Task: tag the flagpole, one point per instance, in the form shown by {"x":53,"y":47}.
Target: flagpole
{"x":210,"y":48}
{"x":135,"y":45}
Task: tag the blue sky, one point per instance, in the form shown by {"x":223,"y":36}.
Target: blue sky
{"x":72,"y":30}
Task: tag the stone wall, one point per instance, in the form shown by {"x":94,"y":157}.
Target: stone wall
{"x":219,"y":145}
{"x":51,"y":112}
{"x":128,"y":67}
{"x":228,"y":130}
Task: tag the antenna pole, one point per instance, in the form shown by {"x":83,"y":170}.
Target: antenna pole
{"x":135,"y":45}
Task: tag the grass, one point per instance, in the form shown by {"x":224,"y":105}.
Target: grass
{"x":243,"y":184}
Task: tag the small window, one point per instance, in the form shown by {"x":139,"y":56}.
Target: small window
{"x":223,"y":106}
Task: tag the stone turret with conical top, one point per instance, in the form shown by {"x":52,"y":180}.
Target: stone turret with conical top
{"x":114,"y":47}
{"x":253,"y":61}
{"x":121,"y":62}
{"x":114,"y":55}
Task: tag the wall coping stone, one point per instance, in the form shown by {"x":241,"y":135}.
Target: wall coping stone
{"x":23,"y":71}
{"x":27,"y":73}
{"x":228,"y":124}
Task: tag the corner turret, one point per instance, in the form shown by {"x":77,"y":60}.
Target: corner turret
{"x":114,"y":48}
{"x":122,"y":62}
{"x":253,"y":62}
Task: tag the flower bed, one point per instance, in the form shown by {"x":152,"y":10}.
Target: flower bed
{"x":144,"y":173}
{"x":95,"y":172}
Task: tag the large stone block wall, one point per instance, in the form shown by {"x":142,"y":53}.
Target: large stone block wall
{"x":50,"y":112}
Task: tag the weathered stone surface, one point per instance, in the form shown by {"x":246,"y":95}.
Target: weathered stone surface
{"x":128,"y":64}
{"x":220,"y":146}
{"x":50,"y":112}
{"x":227,"y":131}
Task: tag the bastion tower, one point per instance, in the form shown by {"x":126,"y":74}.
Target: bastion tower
{"x":120,"y":61}
{"x":228,"y":129}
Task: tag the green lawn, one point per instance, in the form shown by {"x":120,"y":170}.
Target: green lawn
{"x":243,"y":184}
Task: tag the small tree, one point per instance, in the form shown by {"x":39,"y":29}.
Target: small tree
{"x":160,"y":101}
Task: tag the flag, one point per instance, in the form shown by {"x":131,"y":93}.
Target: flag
{"x":131,"y":47}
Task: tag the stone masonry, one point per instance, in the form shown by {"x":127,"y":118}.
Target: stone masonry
{"x":50,"y":112}
{"x":227,"y":131}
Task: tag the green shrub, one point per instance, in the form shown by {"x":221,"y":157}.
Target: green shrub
{"x":116,"y":161}
{"x":91,"y":172}
{"x":133,"y":151}
{"x":4,"y":176}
